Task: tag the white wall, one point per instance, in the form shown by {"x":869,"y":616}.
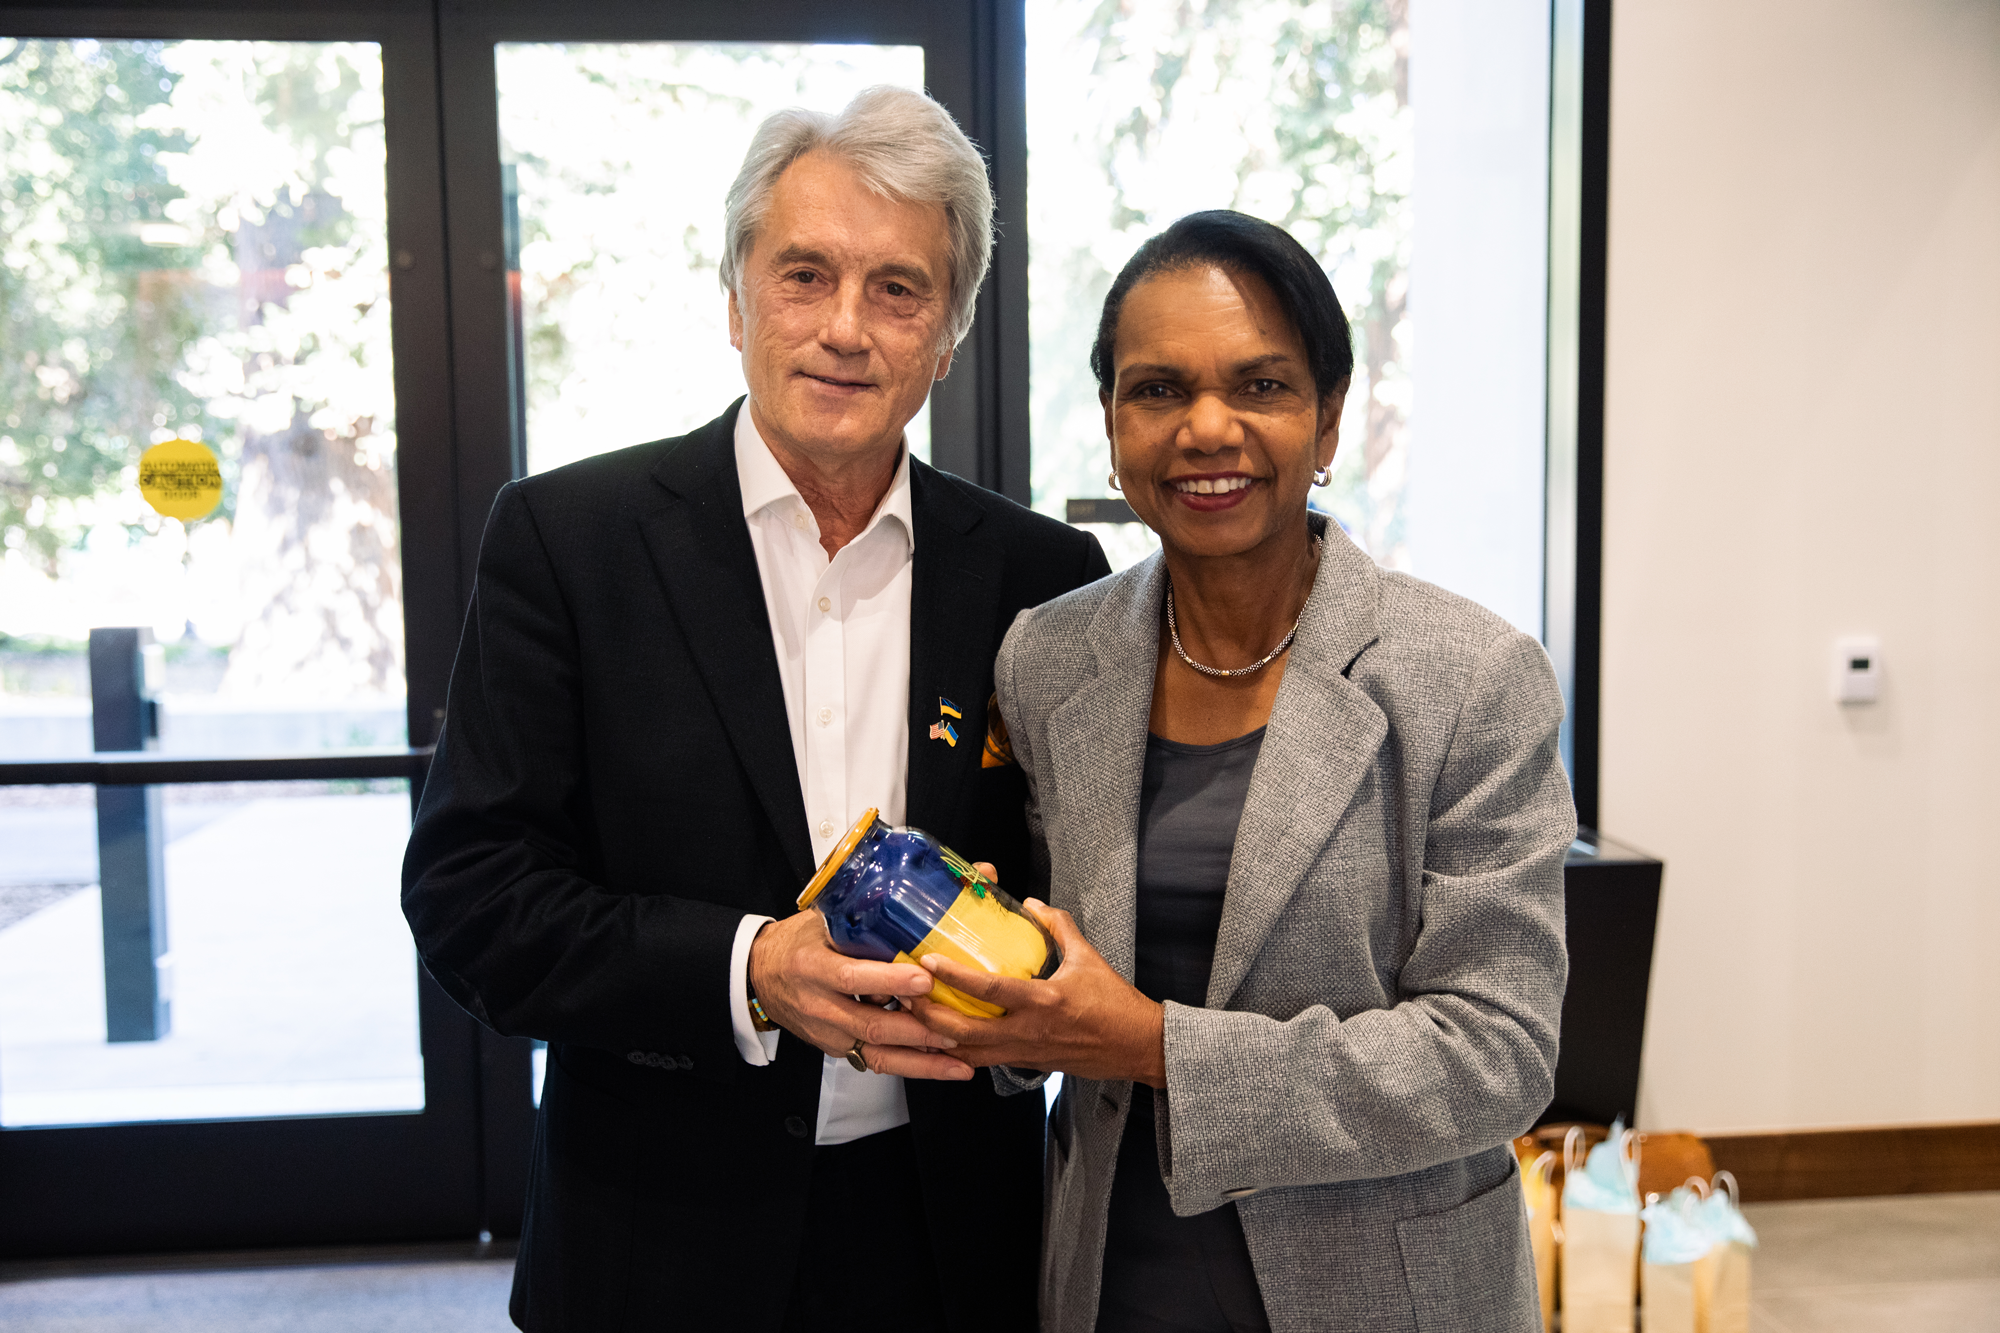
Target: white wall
{"x":1803,"y":440}
{"x":1479,"y":97}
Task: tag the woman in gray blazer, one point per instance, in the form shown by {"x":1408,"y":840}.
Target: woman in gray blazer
{"x":1302,"y":823}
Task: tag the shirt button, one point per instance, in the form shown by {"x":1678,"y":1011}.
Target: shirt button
{"x":825,"y":716}
{"x":799,"y":519}
{"x":826,"y":604}
{"x":795,"y":1126}
{"x":826,"y":828}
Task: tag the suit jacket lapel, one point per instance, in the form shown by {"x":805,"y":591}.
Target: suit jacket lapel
{"x":701,"y":550}
{"x":954,"y":606}
{"x":1097,"y":757}
{"x":1322,"y":743}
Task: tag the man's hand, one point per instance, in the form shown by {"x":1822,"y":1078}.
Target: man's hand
{"x":808,"y":989}
{"x":1085,"y":1020}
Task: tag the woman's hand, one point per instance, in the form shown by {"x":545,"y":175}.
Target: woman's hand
{"x":1085,"y":1020}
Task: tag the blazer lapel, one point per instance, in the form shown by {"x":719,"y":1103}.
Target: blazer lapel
{"x":700,"y":546}
{"x":1324,"y":736}
{"x":954,"y":606}
{"x":1097,"y":758}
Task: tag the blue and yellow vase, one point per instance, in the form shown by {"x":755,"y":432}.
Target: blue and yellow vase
{"x":897,"y":894}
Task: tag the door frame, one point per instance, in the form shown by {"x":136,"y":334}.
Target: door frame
{"x":240,"y":1183}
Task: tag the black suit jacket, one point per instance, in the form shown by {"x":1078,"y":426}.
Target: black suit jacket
{"x":614,"y":789}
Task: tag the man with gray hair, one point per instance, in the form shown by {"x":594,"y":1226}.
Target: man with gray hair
{"x":687,"y":669}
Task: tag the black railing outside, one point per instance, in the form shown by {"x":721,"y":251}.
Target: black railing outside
{"x":145,"y":768}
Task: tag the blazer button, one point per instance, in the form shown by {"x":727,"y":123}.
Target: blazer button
{"x":637,"y":1057}
{"x":1238,"y":1193}
{"x":687,"y":1062}
{"x":795,"y":1126}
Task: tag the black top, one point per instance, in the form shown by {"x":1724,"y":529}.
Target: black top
{"x":1162,"y":1272}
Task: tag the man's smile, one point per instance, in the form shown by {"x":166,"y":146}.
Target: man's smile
{"x":835,"y":382}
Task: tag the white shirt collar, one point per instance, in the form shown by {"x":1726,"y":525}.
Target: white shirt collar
{"x":764,"y":482}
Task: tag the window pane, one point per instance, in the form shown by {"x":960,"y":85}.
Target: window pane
{"x":617,"y":159}
{"x":290,"y":978}
{"x":1405,"y":145}
{"x":195,"y":248}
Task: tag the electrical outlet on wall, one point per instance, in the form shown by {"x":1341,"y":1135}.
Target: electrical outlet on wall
{"x":1857,"y":669}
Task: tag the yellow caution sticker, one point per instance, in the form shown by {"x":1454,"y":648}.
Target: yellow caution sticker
{"x":182,"y":479}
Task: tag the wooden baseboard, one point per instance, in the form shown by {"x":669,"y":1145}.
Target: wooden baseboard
{"x":1848,"y":1163}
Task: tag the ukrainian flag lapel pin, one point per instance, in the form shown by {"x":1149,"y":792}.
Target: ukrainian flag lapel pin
{"x":941,"y":730}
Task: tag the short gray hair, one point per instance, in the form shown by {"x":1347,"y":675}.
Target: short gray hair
{"x":905,"y":146}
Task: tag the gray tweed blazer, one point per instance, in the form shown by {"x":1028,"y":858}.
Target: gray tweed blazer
{"x":1389,"y":971}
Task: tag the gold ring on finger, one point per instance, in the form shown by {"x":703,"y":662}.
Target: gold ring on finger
{"x":855,"y":1058}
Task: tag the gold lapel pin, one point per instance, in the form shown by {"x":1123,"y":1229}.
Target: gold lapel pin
{"x":999,"y":750}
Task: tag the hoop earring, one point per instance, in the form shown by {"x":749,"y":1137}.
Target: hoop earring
{"x":1323,"y":477}
{"x":1113,"y":481}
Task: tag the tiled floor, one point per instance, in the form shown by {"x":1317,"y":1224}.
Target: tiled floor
{"x":1926,"y":1264}
{"x":426,"y":1289}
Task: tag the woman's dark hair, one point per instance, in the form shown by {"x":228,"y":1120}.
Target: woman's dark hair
{"x":1241,"y":244}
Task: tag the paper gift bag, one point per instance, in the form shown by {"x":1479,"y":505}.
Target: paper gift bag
{"x":1722,"y":1277}
{"x":1538,"y":1188}
{"x":1666,"y":1297}
{"x":1598,"y":1254}
{"x":1675,"y":1243}
{"x":1722,"y":1289}
{"x":1600,"y":1234}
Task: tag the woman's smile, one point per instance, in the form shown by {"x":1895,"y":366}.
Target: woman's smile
{"x":1207,"y":494}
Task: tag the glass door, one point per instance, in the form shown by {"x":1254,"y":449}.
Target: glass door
{"x":213,"y":1027}
{"x":588,"y":150}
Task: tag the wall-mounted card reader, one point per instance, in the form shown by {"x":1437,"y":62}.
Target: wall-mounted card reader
{"x":1857,"y":669}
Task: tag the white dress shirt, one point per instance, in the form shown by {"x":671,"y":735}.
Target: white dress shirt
{"x":842,"y":631}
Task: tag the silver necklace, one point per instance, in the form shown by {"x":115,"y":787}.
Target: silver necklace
{"x":1174,"y":633}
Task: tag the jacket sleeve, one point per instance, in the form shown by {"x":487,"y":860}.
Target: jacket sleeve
{"x":495,"y":881}
{"x":1008,"y":1080}
{"x":1465,"y":1059}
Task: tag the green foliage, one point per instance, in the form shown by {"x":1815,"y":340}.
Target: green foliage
{"x":195,"y":243}
{"x":40,"y":645}
{"x":93,"y":308}
{"x":1289,"y":110}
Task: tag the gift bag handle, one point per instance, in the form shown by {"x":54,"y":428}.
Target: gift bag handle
{"x":1545,"y":1167}
{"x":1573,"y":1149}
{"x":1728,"y":1181}
{"x":1697,"y":1184}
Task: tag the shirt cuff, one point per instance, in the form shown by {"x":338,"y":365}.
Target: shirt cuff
{"x":757,"y":1048}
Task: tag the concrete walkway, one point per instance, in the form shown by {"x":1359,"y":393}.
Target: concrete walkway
{"x":294,"y":981}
